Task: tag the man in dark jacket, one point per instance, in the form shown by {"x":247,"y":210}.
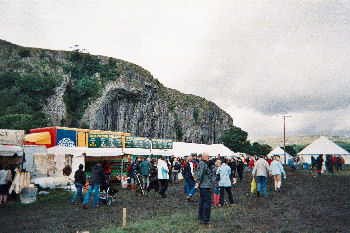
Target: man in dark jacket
{"x":80,"y":180}
{"x":135,"y":170}
{"x":204,"y":182}
{"x":97,"y":177}
{"x":240,"y":168}
{"x":189,"y":178}
{"x":153,"y":177}
{"x":329,"y":163}
{"x":319,"y":163}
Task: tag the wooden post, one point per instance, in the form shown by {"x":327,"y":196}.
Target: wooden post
{"x":124,"y":218}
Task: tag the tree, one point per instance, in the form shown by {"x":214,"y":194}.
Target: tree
{"x":260,"y":149}
{"x":290,"y":150}
{"x":236,"y":139}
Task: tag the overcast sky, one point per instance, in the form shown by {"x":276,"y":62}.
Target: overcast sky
{"x":257,"y":60}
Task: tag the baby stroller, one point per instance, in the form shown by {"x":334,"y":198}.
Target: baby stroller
{"x":107,"y":193}
{"x":139,"y":186}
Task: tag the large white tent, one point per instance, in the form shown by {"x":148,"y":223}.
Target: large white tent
{"x":280,"y":152}
{"x":323,"y":146}
{"x":181,"y":149}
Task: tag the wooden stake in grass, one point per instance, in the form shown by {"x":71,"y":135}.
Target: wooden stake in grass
{"x":124,"y":218}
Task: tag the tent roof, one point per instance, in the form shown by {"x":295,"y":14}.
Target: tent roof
{"x":278,"y":151}
{"x":182,"y":149}
{"x":323,"y":145}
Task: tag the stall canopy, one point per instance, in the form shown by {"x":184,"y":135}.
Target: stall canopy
{"x":91,"y":152}
{"x":324,"y":146}
{"x":6,"y":150}
{"x":279,"y":151}
{"x":38,"y":138}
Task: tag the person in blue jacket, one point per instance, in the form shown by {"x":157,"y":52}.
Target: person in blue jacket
{"x":224,"y":173}
{"x":276,"y":171}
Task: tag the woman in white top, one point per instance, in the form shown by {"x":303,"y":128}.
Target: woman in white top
{"x":163,"y":176}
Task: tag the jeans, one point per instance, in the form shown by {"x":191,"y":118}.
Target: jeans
{"x":190,"y":189}
{"x":79,"y":193}
{"x":261,"y":187}
{"x":96,"y":189}
{"x":217,"y":190}
{"x":204,"y":207}
{"x":174,"y":177}
{"x":145,"y":181}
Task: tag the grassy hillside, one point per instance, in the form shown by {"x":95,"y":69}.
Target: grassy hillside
{"x":29,"y":76}
{"x":300,"y":142}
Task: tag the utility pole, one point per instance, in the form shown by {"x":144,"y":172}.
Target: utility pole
{"x":284,"y":137}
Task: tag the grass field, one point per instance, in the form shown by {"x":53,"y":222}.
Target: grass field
{"x":307,"y":203}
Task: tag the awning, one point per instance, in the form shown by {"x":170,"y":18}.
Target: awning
{"x":38,"y":138}
{"x":10,"y":150}
{"x":92,"y":152}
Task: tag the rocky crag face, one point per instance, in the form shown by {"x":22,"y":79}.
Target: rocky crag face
{"x":76,"y":89}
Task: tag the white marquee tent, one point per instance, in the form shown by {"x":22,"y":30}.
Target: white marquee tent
{"x":323,"y":146}
{"x":280,"y":152}
{"x":181,"y":149}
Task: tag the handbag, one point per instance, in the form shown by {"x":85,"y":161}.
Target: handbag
{"x":253,"y":186}
{"x":217,"y":178}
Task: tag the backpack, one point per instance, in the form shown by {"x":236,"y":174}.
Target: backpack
{"x":177,"y":166}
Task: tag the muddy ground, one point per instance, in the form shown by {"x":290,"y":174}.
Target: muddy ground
{"x":307,"y":203}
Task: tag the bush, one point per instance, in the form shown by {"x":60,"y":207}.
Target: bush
{"x":22,"y":98}
{"x":195,"y":114}
{"x":24,"y":53}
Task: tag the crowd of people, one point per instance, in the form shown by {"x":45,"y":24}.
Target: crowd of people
{"x":200,"y":173}
{"x":327,"y":164}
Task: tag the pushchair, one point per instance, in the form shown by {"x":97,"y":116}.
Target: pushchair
{"x":139,"y":184}
{"x":107,"y":193}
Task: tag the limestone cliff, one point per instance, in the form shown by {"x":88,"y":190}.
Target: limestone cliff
{"x":78,"y":89}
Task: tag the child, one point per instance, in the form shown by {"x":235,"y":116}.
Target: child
{"x":216,"y":183}
{"x":124,"y":181}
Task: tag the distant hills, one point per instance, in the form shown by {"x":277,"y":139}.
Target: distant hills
{"x":301,"y":141}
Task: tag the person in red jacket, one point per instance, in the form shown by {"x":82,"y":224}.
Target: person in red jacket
{"x":251,"y":164}
{"x":269,"y":161}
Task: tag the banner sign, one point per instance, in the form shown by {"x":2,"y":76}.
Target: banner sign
{"x":137,"y":142}
{"x":11,"y":137}
{"x":67,"y":138}
{"x":104,"y":141}
{"x":162,"y":143}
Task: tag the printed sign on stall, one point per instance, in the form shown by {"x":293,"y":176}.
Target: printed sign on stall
{"x":162,"y":144}
{"x":67,"y":138}
{"x":104,"y":141}
{"x":137,"y":142}
{"x":11,"y":137}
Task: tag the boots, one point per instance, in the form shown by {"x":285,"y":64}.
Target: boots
{"x":216,"y":199}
